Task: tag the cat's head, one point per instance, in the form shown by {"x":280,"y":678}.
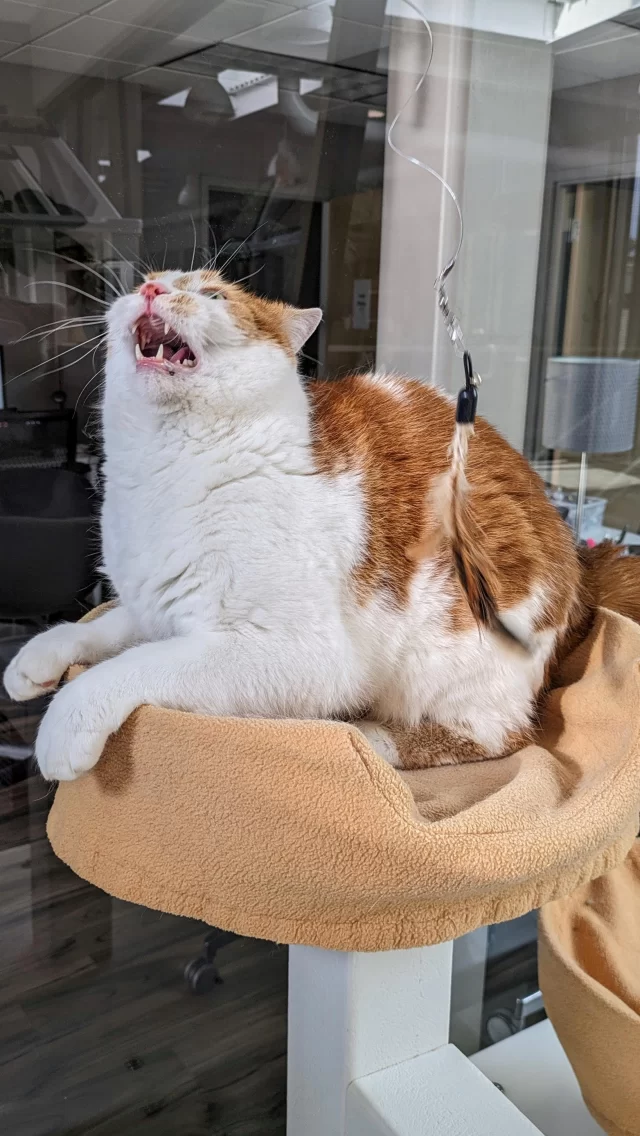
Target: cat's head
{"x":181,"y":334}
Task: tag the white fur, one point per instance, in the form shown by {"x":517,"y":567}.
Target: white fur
{"x":381,"y":741}
{"x":233,"y":561}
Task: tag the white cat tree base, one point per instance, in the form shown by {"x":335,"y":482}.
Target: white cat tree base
{"x":369,"y":1053}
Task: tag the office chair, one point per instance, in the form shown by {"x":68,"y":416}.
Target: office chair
{"x":48,"y":549}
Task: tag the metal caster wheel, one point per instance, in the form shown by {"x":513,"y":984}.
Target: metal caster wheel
{"x":201,"y":976}
{"x":500,"y":1026}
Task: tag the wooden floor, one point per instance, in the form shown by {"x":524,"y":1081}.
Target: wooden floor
{"x":99,"y":1033}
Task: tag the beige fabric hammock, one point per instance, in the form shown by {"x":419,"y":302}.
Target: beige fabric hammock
{"x":590,"y":976}
{"x":295,"y":831}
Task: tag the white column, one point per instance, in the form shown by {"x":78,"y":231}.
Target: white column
{"x":419,"y":224}
{"x":481,"y":120}
{"x":353,"y":1014}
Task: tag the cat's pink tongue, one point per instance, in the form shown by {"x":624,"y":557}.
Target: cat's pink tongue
{"x":180,"y":355}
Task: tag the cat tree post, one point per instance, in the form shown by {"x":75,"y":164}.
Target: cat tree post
{"x":368,"y":1052}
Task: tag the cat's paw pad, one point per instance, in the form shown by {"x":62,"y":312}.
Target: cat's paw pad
{"x":35,"y":670}
{"x":71,"y":737}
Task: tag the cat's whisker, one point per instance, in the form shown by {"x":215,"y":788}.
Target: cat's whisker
{"x":59,"y":324}
{"x":220,"y":251}
{"x":249,"y":275}
{"x":60,"y":355}
{"x":91,"y":351}
{"x":44,"y":329}
{"x":95,"y":375}
{"x":212,"y":259}
{"x":195,"y":242}
{"x":121,"y":288}
{"x":242,"y":244}
{"x":311,"y":358}
{"x":85,"y":268}
{"x":127,"y":260}
{"x":72,"y":288}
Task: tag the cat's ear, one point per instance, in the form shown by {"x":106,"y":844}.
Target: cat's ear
{"x":301,"y":324}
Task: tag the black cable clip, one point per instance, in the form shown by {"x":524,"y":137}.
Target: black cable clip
{"x":468,"y":397}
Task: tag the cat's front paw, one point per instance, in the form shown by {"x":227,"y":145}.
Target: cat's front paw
{"x":39,"y":666}
{"x":72,"y":735}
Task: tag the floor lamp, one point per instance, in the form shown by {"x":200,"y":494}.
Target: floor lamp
{"x":590,"y":408}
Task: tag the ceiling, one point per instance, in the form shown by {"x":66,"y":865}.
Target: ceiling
{"x":122,"y":37}
{"x":610,"y":50}
{"x":127,"y":38}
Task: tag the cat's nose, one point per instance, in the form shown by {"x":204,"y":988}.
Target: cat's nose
{"x":151,"y":288}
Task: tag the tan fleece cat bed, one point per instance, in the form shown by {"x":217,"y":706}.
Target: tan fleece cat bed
{"x":590,"y":977}
{"x":295,"y":831}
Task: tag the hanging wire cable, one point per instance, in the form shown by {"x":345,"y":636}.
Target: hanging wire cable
{"x":452,"y":323}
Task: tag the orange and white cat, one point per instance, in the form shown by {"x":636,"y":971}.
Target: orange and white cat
{"x":269,"y":542}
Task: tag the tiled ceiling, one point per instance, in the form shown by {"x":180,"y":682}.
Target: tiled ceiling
{"x":341,"y":84}
{"x":123,"y":36}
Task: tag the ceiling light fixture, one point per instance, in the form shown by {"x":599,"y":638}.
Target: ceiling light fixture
{"x":177,"y":100}
{"x":249,"y":91}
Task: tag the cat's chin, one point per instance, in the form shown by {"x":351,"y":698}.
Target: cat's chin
{"x":147,"y":367}
{"x":160,"y":385}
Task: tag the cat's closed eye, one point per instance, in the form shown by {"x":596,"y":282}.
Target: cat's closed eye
{"x":214,"y":296}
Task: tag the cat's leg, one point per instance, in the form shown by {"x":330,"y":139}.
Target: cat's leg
{"x":41,"y":663}
{"x":429,"y":745}
{"x":218,"y":673}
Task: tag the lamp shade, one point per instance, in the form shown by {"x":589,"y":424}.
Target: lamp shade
{"x":590,"y":404}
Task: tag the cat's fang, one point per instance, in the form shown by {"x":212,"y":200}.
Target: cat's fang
{"x":160,"y":353}
{"x":139,"y":354}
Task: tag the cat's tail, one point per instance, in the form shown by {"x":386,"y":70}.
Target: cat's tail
{"x":477,"y":575}
{"x":610,"y":578}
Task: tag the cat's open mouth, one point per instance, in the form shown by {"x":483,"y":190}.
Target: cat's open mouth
{"x":159,"y":344}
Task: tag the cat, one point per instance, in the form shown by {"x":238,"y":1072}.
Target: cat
{"x":276,"y":549}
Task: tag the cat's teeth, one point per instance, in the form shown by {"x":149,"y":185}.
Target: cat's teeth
{"x":167,"y":329}
{"x":139,"y":354}
{"x":160,"y":352}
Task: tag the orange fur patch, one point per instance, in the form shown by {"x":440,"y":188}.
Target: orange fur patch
{"x":611,"y":578}
{"x":429,"y":745}
{"x":398,"y":440}
{"x":259,"y":318}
